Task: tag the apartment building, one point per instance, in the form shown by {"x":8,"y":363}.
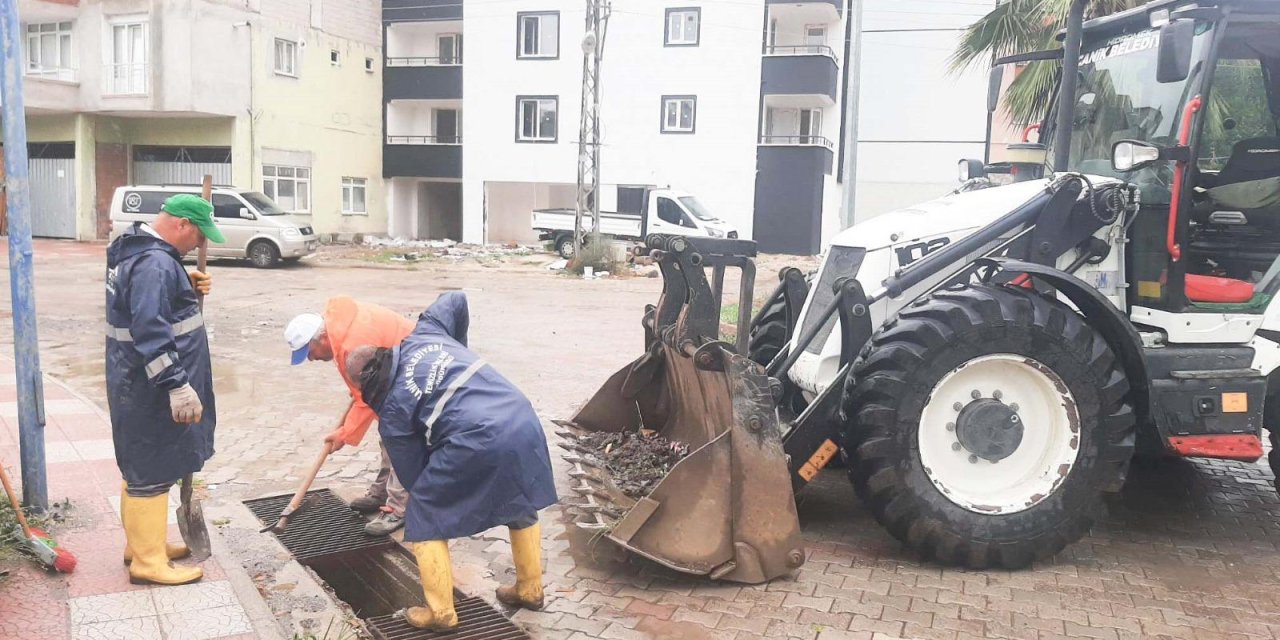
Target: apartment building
{"x":739,"y":102}
{"x":279,"y":96}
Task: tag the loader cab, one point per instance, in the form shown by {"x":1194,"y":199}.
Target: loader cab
{"x":1185,"y":104}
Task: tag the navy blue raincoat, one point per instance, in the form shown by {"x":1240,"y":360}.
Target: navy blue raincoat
{"x":156,"y":341}
{"x":464,"y":441}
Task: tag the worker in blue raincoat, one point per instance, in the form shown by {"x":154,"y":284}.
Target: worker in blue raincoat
{"x":468,"y":446}
{"x":159,"y":380}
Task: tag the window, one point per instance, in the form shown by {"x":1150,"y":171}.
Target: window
{"x":538,"y":35}
{"x":368,"y":65}
{"x":811,"y":126}
{"x":353,"y":196}
{"x":536,"y":118}
{"x":286,"y":58}
{"x":49,"y":48}
{"x":1240,"y":99}
{"x":290,"y":187}
{"x":678,"y":113}
{"x":670,"y":212}
{"x":335,"y":57}
{"x":126,"y":71}
{"x":450,"y":48}
{"x":145,"y":202}
{"x":226,"y":207}
{"x":682,"y":27}
{"x":448,"y":125}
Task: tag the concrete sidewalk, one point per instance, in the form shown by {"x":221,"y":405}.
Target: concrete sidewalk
{"x":97,"y":601}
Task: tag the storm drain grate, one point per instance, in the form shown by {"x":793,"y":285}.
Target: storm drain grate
{"x":324,"y":527}
{"x":477,"y":620}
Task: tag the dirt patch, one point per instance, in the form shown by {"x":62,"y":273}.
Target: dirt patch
{"x":637,"y":462}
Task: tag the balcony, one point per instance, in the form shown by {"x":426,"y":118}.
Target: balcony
{"x":802,"y":70}
{"x":811,"y":11}
{"x":403,"y":80}
{"x":797,"y":141}
{"x":126,"y":79}
{"x":422,"y":157}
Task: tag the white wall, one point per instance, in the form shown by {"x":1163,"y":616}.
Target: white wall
{"x":416,"y":117}
{"x":419,"y":39}
{"x":916,"y":119}
{"x":717,"y":162}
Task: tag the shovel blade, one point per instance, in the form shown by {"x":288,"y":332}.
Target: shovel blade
{"x":725,"y":510}
{"x":191,"y":523}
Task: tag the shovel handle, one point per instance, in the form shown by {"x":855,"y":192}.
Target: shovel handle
{"x":306,"y":482}
{"x":202,"y":252}
{"x":13,"y":502}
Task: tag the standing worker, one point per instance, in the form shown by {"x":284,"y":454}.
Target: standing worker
{"x":347,"y":324}
{"x":159,"y":378}
{"x":470,"y":449}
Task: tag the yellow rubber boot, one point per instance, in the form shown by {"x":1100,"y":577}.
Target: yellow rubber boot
{"x":144,"y":530}
{"x":437,"y":587}
{"x":174,"y":551}
{"x":526,"y":552}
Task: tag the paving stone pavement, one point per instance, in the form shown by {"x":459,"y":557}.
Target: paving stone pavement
{"x":1188,"y":550}
{"x":96,"y":601}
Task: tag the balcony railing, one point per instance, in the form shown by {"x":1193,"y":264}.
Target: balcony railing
{"x":801,"y":50}
{"x":419,"y":61}
{"x":123,"y":79}
{"x":61,"y":74}
{"x":798,"y":141}
{"x":424,"y":139}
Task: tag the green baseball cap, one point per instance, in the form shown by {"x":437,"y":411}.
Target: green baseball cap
{"x":197,"y":210}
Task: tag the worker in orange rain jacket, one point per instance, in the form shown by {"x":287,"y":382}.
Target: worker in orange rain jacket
{"x":345,"y":325}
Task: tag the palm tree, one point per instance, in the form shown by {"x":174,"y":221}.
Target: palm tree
{"x":1021,"y":26}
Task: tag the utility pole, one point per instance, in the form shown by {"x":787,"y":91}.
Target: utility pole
{"x":589,"y":124}
{"x":851,"y":114}
{"x":35,"y":492}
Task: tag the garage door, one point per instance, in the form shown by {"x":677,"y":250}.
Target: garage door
{"x":53,"y":190}
{"x":181,"y":165}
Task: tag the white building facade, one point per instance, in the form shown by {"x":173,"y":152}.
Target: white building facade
{"x":738,"y":102}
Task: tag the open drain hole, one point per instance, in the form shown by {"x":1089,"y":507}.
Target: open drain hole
{"x":375,"y":576}
{"x":375,"y":582}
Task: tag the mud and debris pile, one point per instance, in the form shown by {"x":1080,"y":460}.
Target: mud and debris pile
{"x":637,"y":461}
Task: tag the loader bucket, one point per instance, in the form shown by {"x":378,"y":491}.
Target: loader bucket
{"x":725,"y":509}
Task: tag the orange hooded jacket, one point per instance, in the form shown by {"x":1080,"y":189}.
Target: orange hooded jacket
{"x":350,"y":324}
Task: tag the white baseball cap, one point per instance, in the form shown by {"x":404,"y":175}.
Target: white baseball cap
{"x":299,"y":334}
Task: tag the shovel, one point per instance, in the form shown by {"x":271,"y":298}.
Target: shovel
{"x":190,"y":513}
{"x":299,"y":497}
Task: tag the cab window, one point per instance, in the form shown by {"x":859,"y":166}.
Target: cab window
{"x":670,"y":212}
{"x":225,"y":206}
{"x":1238,"y":111}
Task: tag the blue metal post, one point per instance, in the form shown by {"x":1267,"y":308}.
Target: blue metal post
{"x":35,"y":490}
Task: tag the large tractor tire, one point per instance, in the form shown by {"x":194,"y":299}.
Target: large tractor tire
{"x":984,"y":424}
{"x":765,"y":339}
{"x":768,"y":332}
{"x":768,"y":335}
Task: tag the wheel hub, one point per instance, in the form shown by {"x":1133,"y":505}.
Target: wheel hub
{"x":990,"y":429}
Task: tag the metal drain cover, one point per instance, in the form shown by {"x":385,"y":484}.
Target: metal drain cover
{"x":477,"y":620}
{"x":327,"y":526}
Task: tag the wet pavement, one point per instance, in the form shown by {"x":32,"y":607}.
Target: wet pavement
{"x":1188,"y":550}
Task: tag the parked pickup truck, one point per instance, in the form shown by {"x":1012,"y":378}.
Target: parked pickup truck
{"x":631,"y":213}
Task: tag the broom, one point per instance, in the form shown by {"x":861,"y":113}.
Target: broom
{"x":35,"y":541}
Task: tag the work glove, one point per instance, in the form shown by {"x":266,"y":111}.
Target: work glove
{"x":201,"y":282}
{"x":334,"y":440}
{"x":184,"y":405}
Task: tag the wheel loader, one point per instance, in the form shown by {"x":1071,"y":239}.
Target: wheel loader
{"x":984,"y":365}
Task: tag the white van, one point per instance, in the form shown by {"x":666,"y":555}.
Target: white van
{"x":256,"y":228}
